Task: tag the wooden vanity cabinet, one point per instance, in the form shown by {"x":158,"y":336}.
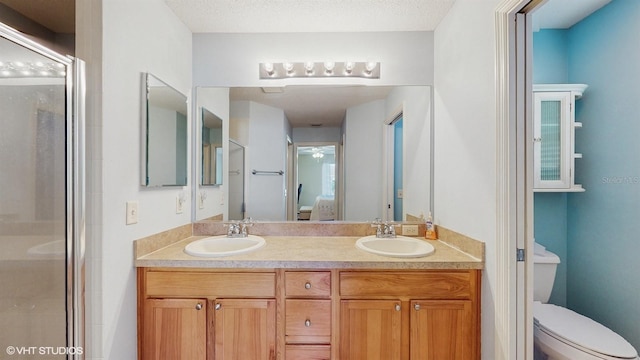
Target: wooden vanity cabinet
{"x":288,"y":314}
{"x":175,"y":329}
{"x":424,"y":315}
{"x":308,"y":313}
{"x":203,"y":314}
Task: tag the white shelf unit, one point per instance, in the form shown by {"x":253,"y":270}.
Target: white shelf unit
{"x":554,"y":137}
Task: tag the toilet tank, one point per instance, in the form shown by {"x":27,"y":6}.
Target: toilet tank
{"x":545,"y":264}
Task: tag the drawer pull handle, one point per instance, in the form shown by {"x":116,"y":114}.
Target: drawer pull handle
{"x":307,"y":323}
{"x":199,"y":306}
{"x":416,"y":306}
{"x":218,"y":306}
{"x":307,"y":285}
{"x":397,"y":307}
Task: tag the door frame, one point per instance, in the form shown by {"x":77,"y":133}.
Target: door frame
{"x":388,"y":164}
{"x":514,"y":180}
{"x":293,"y":186}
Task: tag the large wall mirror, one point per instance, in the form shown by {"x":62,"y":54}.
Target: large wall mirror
{"x":165,"y":134}
{"x":212,"y":153}
{"x":282,"y":128}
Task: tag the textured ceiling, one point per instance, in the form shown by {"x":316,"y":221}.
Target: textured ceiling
{"x":259,"y":16}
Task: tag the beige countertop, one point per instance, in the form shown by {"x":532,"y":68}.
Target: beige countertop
{"x":310,"y":252}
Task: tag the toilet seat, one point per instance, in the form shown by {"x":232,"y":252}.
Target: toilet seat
{"x":581,"y":332}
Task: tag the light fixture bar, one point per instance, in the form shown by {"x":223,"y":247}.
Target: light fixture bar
{"x":325,"y":69}
{"x":22,"y":69}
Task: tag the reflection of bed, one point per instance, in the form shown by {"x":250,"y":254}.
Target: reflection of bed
{"x":305,"y":212}
{"x":323,"y":209}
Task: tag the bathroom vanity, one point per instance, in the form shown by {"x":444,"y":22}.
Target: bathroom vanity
{"x":308,"y":297}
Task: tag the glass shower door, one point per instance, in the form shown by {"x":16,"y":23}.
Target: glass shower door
{"x":39,"y":231}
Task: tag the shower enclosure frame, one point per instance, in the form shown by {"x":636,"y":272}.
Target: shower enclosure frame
{"x":75,"y":93}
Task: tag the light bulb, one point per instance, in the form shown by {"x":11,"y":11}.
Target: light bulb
{"x":309,"y":67}
{"x":348,"y":67}
{"x":288,"y":66}
{"x":268,"y":67}
{"x":369,"y":66}
{"x":329,"y":66}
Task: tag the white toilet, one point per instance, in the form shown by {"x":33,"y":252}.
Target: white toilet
{"x":562,"y":334}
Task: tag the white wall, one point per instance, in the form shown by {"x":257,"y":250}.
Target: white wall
{"x":363,"y":156}
{"x":267,"y":151}
{"x":406,"y":58}
{"x":138,"y":36}
{"x":239,"y":122}
{"x":415,"y":104}
{"x":465,"y":138}
{"x":215,"y":198}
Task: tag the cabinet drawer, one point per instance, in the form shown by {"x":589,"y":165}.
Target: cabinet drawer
{"x":308,"y":321}
{"x":307,"y":352}
{"x":307,"y":284}
{"x":195,"y":284}
{"x":427,"y":285}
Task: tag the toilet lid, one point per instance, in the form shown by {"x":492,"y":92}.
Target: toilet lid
{"x":581,"y":331}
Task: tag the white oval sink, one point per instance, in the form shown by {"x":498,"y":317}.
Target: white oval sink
{"x":401,"y":246}
{"x":217,"y":246}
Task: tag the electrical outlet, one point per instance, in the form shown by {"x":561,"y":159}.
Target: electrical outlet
{"x":132,"y":212}
{"x":201,"y":202}
{"x":410,"y":230}
{"x":179,"y":204}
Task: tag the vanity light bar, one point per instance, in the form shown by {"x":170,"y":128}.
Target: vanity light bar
{"x":284,"y":70}
{"x":13,"y":69}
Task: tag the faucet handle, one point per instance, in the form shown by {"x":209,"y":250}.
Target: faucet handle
{"x":234,"y":227}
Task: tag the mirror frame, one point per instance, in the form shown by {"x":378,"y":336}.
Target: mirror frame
{"x":147,"y":79}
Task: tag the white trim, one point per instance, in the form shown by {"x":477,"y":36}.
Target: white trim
{"x":509,"y":221}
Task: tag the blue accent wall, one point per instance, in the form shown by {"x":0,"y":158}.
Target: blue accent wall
{"x":603,"y":223}
{"x":551,"y":66}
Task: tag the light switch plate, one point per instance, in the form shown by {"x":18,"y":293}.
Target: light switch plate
{"x":410,"y":230}
{"x":132,"y":212}
{"x":179,"y":204}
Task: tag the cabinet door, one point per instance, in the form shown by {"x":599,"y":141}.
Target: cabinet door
{"x":245,"y":329}
{"x":370,"y":330}
{"x":175,"y":329}
{"x":442,"y":329}
{"x":553,"y":148}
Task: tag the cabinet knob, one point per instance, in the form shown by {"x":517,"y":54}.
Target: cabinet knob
{"x":307,"y":323}
{"x":307,"y":285}
{"x":199,"y":306}
{"x":218,"y":306}
{"x":397,"y":307}
{"x":416,"y":306}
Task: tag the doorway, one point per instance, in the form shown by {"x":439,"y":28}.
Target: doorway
{"x":316,"y":170}
{"x":398,"y":145}
{"x":236,"y":181}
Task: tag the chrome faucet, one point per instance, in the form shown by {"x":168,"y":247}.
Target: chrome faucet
{"x":238,"y":228}
{"x":248,"y":222}
{"x":233,"y":228}
{"x":384,"y":229}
